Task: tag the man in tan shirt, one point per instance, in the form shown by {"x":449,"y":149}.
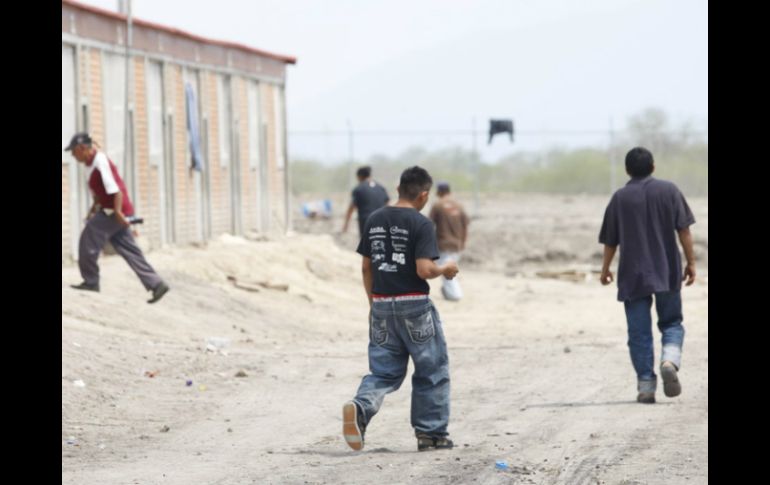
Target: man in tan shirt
{"x":451,"y":232}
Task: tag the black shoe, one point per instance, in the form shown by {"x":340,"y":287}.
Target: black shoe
{"x":426,"y":442}
{"x":86,"y":286}
{"x":158,"y":292}
{"x":353,"y":427}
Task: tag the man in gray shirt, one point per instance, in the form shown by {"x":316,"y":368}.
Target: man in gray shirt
{"x":644,"y":218}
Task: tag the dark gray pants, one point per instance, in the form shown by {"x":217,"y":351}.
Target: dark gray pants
{"x":101,"y":228}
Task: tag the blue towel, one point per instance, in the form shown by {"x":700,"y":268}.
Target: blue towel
{"x":192,"y":128}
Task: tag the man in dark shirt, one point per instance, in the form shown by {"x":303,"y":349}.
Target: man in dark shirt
{"x":399,"y":250}
{"x":644,"y":218}
{"x":367,"y":197}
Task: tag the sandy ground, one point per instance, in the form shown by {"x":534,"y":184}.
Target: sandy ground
{"x":540,"y":371}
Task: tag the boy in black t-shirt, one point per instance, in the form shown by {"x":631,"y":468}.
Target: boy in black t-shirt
{"x":399,"y":250}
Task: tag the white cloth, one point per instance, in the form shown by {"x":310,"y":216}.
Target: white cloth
{"x":450,"y":288}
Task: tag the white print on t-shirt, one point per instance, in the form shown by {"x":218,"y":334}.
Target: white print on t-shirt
{"x":378,"y":246}
{"x":398,"y":230}
{"x":378,"y":257}
{"x":398,"y":246}
{"x":399,"y":258}
{"x":388,"y":268}
{"x":377,"y":229}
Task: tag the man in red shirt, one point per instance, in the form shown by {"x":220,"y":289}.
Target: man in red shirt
{"x":107,"y":220}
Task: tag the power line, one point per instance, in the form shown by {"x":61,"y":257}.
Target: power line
{"x":439,"y":132}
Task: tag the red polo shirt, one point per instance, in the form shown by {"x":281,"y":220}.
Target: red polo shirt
{"x":104,"y":182}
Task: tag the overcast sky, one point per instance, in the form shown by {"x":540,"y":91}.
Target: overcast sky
{"x":433,"y":65}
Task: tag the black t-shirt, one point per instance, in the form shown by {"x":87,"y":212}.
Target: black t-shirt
{"x":395,"y":238}
{"x":369,"y":196}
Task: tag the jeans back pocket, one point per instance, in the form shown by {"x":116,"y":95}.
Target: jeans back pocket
{"x":421,"y":328}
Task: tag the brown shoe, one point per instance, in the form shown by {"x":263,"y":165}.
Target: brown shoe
{"x":353,"y":426}
{"x":671,"y":385}
{"x":646,"y":397}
